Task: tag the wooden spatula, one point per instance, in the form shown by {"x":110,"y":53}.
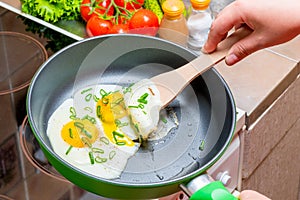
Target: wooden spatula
{"x":171,"y":83}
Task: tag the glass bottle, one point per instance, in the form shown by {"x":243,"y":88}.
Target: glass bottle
{"x":173,"y":25}
{"x":199,"y":22}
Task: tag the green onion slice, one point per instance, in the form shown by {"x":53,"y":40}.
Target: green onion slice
{"x":88,"y":97}
{"x":87,"y":108}
{"x":104,"y":140}
{"x":92,"y":160}
{"x":112,"y":154}
{"x":70,"y":133}
{"x":202,"y":144}
{"x":100,"y":160}
{"x":86,"y":90}
{"x":69,"y":149}
{"x":97,"y":150}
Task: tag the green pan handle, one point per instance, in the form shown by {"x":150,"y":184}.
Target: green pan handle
{"x":213,"y":191}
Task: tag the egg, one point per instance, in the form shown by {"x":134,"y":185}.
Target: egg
{"x":98,"y":128}
{"x":143,"y":103}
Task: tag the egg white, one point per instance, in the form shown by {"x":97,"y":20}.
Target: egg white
{"x":115,"y":156}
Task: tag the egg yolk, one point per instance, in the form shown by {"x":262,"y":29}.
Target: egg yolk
{"x":109,"y":109}
{"x":79,"y":133}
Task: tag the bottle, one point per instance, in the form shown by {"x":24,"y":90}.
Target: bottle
{"x":199,"y":22}
{"x":173,"y":25}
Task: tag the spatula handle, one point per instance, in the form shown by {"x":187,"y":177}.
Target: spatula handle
{"x":206,"y":61}
{"x":170,"y":84}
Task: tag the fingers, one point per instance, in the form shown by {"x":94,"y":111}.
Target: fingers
{"x":227,"y":19}
{"x":252,"y":195}
{"x":243,"y":48}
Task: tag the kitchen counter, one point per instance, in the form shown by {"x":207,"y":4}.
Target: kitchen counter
{"x":266,"y":86}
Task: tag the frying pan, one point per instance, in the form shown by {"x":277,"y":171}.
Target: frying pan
{"x":205,"y":111}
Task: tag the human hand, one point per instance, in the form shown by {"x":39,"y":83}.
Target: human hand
{"x":271,"y":23}
{"x":252,"y":195}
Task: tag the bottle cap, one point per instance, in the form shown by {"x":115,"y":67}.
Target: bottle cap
{"x":200,"y":4}
{"x":173,"y":8}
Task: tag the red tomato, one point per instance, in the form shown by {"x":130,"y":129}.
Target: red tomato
{"x":119,"y":28}
{"x":144,"y":22}
{"x":129,"y":4}
{"x":89,"y":8}
{"x":97,"y":26}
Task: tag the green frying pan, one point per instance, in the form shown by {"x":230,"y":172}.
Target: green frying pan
{"x":205,"y":111}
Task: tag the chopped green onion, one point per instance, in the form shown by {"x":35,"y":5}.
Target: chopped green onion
{"x":72,"y":111}
{"x":117,"y":102}
{"x":92,"y":160}
{"x":86,"y":141}
{"x":69,"y":149}
{"x":86,"y":90}
{"x":99,"y":111}
{"x":88,"y":109}
{"x":145,"y":112}
{"x":120,"y":143}
{"x":120,"y":124}
{"x":142,"y":101}
{"x":141,"y":106}
{"x":103,"y":93}
{"x":117,"y":122}
{"x":112,"y":154}
{"x":87,"y":133}
{"x":144,"y":96}
{"x":136,"y":126}
{"x":104,"y":140}
{"x":70,"y":133}
{"x":117,"y":134}
{"x":81,"y":127}
{"x":90,"y":118}
{"x":164,"y":120}
{"x":97,"y":150}
{"x":128,"y":89}
{"x":133,"y":107}
{"x":88,"y":97}
{"x":201,"y":147}
{"x":96,"y":99}
{"x":100,"y":160}
{"x":73,"y":117}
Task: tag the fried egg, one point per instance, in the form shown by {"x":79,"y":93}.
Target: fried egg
{"x":143,"y":103}
{"x":98,"y":130}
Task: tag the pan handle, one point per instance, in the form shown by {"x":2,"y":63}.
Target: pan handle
{"x":204,"y":187}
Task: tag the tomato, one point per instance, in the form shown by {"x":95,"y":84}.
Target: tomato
{"x":119,"y":28}
{"x":144,"y":22}
{"x":89,"y":8}
{"x":98,"y":26}
{"x":129,"y":4}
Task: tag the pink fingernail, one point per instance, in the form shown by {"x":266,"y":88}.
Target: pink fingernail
{"x":231,"y":59}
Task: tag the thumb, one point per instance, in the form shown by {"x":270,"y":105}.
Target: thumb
{"x":242,"y":49}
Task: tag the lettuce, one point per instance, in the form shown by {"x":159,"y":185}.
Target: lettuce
{"x":52,"y":10}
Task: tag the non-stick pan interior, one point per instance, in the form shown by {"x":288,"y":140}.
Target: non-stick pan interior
{"x":205,"y":109}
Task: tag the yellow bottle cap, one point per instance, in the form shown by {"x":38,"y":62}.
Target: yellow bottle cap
{"x":200,"y":4}
{"x":173,"y":9}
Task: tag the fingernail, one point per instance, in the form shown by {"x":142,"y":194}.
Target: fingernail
{"x":203,"y":49}
{"x":231,"y":59}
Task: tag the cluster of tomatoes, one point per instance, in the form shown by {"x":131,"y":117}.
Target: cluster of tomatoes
{"x":118,"y":16}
